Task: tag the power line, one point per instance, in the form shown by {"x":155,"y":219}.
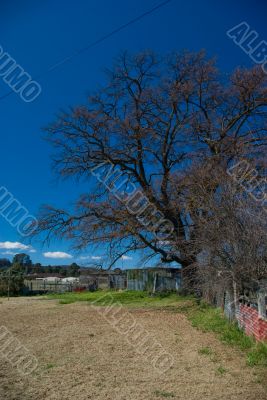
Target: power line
{"x":98,"y":41}
{"x":103,"y":38}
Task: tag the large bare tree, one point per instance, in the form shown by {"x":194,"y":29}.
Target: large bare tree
{"x":150,"y":121}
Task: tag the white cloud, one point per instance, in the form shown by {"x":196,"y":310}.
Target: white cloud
{"x":126,"y":258}
{"x":56,"y":254}
{"x":90,"y":258}
{"x":32,"y":251}
{"x":85,"y":258}
{"x":9,"y":253}
{"x":13,"y":246}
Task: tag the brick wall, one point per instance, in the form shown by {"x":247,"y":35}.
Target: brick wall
{"x":248,"y":319}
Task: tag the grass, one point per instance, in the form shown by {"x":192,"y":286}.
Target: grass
{"x":221,"y":370}
{"x":129,"y":298}
{"x":206,"y":351}
{"x":258,"y":355}
{"x":50,"y":366}
{"x":210,"y":319}
{"x":202,"y":316}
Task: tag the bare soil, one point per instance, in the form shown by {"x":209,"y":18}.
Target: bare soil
{"x":81,"y":357}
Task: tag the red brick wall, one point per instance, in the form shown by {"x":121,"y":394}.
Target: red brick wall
{"x":249,"y":319}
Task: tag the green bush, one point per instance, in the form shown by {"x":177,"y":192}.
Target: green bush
{"x":15,"y":282}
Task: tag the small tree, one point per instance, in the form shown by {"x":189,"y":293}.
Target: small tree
{"x":11,"y":283}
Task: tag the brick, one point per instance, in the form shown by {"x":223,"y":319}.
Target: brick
{"x":249,"y":319}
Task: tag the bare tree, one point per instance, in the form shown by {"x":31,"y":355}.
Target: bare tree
{"x":230,"y":232}
{"x":144,"y":128}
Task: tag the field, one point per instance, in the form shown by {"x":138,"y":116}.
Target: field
{"x":82,"y":356}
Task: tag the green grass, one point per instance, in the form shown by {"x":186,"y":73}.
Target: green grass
{"x":127,"y":297}
{"x":206,"y":351}
{"x":50,"y":366}
{"x":210,"y":319}
{"x":221,"y":370}
{"x":258,"y":355}
{"x":202,"y":316}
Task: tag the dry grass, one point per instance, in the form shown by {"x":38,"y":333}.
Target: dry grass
{"x":82,"y":357}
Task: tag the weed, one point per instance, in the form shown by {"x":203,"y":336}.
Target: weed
{"x":207,"y":351}
{"x":221,"y":370}
{"x":258,"y":355}
{"x":50,"y":366}
{"x":210,"y":319}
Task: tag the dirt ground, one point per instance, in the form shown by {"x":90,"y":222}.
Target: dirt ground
{"x":81,"y":357}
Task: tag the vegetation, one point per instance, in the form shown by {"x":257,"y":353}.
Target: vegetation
{"x":202,"y":316}
{"x":221,"y":370}
{"x":22,"y":263}
{"x":4,"y":263}
{"x":12,"y":274}
{"x":210,"y":319}
{"x":128,"y":298}
{"x":50,"y":366}
{"x":11,"y":283}
{"x":147,"y":142}
{"x":174,"y":156}
{"x":207,"y":351}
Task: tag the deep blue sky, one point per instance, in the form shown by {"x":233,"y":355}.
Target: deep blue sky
{"x":38,"y":34}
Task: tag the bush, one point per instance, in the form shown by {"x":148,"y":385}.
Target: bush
{"x":15,"y":282}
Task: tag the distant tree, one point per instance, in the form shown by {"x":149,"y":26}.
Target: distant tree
{"x":22,"y":259}
{"x":48,"y":269}
{"x":57,"y":269}
{"x":37,"y":268}
{"x":73,"y":269}
{"x":4,"y":263}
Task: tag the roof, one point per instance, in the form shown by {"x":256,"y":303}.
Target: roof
{"x":44,"y":275}
{"x":101,"y":272}
{"x":170,"y":269}
{"x":70,"y":279}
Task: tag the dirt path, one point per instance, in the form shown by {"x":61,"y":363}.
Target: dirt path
{"x":82,"y":357}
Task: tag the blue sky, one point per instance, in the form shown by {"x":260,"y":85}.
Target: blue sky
{"x":39,"y":34}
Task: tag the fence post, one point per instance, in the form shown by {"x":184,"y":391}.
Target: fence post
{"x":261,"y":303}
